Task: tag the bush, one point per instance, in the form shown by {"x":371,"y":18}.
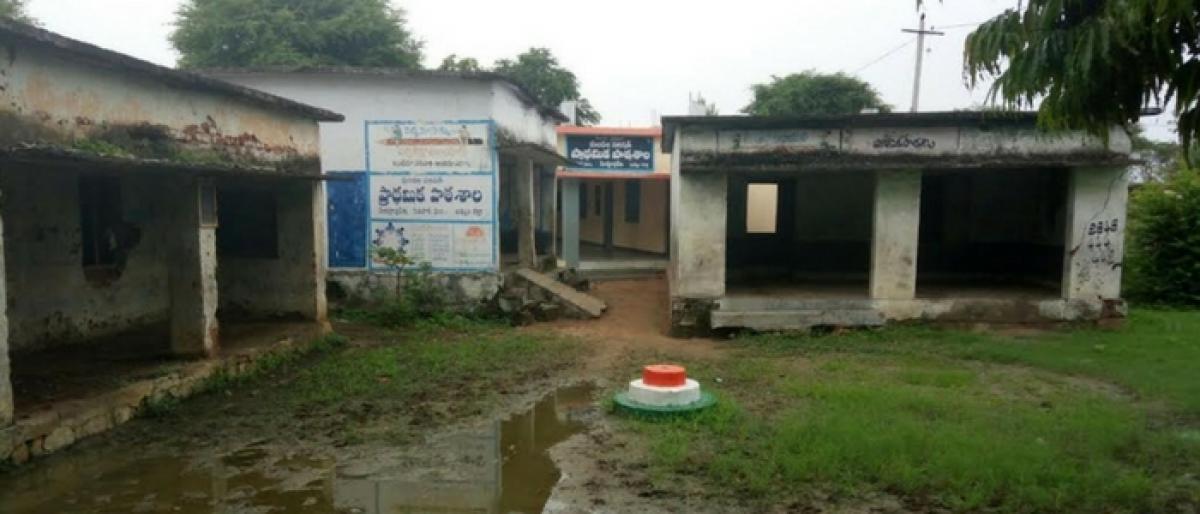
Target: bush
{"x":1163,"y":251}
{"x":417,"y":297}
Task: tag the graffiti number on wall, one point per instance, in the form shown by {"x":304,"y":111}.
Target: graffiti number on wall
{"x":1100,"y":242}
{"x":904,"y":141}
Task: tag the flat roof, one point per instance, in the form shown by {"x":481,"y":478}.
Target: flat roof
{"x":609,"y":131}
{"x":488,"y":76}
{"x":108,"y":59}
{"x":907,"y":119}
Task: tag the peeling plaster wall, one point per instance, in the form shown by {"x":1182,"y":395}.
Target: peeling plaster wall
{"x":73,"y":99}
{"x":49,"y":298}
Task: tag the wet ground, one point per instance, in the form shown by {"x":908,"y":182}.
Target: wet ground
{"x":535,"y":445}
{"x":500,"y":466}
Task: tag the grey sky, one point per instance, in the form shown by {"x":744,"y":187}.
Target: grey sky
{"x":640,"y":58}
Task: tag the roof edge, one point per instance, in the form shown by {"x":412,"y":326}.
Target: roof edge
{"x":523,"y":92}
{"x":96,"y":55}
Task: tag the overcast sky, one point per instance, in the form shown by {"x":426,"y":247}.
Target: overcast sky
{"x":639,"y":59}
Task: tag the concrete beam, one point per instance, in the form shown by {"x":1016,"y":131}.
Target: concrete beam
{"x":897,"y":224}
{"x":570,"y":222}
{"x":192,"y":275}
{"x":526,"y":210}
{"x":1095,"y":249}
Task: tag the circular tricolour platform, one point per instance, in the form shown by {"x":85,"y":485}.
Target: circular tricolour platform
{"x":663,"y":390}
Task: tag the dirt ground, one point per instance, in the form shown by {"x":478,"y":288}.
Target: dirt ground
{"x":636,"y":321}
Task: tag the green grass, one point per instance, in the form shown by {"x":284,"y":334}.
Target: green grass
{"x":950,"y":419}
{"x":467,"y":359}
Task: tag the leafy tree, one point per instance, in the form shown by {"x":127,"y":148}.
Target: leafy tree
{"x":466,"y":64}
{"x":15,"y":9}
{"x":539,"y":71}
{"x":1160,"y":159}
{"x":250,"y":33}
{"x":811,"y":93}
{"x":1093,"y":63}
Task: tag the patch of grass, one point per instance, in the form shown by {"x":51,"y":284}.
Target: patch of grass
{"x":466,"y":362}
{"x":1154,"y":355}
{"x":929,"y":416}
{"x":223,"y":380}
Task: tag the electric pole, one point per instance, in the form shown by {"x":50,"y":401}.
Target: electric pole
{"x":921,"y":33}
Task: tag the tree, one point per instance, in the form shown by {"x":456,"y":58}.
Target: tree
{"x":15,"y":9}
{"x":256,"y":33}
{"x":811,"y":93}
{"x":539,"y":71}
{"x":465,"y":64}
{"x":1093,"y":64}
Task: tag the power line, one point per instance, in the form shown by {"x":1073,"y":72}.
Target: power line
{"x":887,"y":54}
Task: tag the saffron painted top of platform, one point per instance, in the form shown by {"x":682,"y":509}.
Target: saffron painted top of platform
{"x":664,"y":375}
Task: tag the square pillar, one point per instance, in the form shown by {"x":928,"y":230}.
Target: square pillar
{"x":698,"y":241}
{"x":302,"y":260}
{"x":6,"y":392}
{"x":192,"y":276}
{"x":896,"y":237}
{"x":570,"y":222}
{"x":526,"y":211}
{"x":1095,"y":239}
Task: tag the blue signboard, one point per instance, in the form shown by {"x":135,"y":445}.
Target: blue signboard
{"x":611,"y":153}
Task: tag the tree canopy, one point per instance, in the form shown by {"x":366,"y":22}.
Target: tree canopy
{"x":255,"y":33}
{"x":540,"y":72}
{"x":15,"y":9}
{"x":1092,"y":64}
{"x":811,"y":93}
{"x":466,"y":64}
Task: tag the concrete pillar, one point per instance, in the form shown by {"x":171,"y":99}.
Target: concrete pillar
{"x":570,"y":221}
{"x":302,"y":223}
{"x":526,"y":212}
{"x":6,"y":393}
{"x":192,"y":276}
{"x":897,"y":224}
{"x":698,"y":241}
{"x":1095,"y":239}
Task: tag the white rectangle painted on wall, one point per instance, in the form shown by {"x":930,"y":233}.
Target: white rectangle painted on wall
{"x":432,"y":197}
{"x":433,"y":192}
{"x":429,"y":147}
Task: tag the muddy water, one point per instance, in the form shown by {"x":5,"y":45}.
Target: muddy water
{"x":501,"y":467}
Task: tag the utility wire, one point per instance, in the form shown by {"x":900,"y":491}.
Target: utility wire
{"x":889,"y":53}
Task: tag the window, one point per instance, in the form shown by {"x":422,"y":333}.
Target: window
{"x":599,"y":209}
{"x":101,"y":227}
{"x":762,"y":208}
{"x":633,"y":201}
{"x":250,"y":227}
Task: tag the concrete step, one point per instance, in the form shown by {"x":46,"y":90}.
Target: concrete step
{"x":768,"y":303}
{"x":782,"y":320}
{"x":602,"y":275}
{"x":582,"y":302}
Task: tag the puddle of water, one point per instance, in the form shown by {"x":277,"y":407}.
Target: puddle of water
{"x":508,"y":470}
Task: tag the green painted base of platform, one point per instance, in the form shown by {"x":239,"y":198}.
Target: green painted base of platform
{"x":629,"y":407}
